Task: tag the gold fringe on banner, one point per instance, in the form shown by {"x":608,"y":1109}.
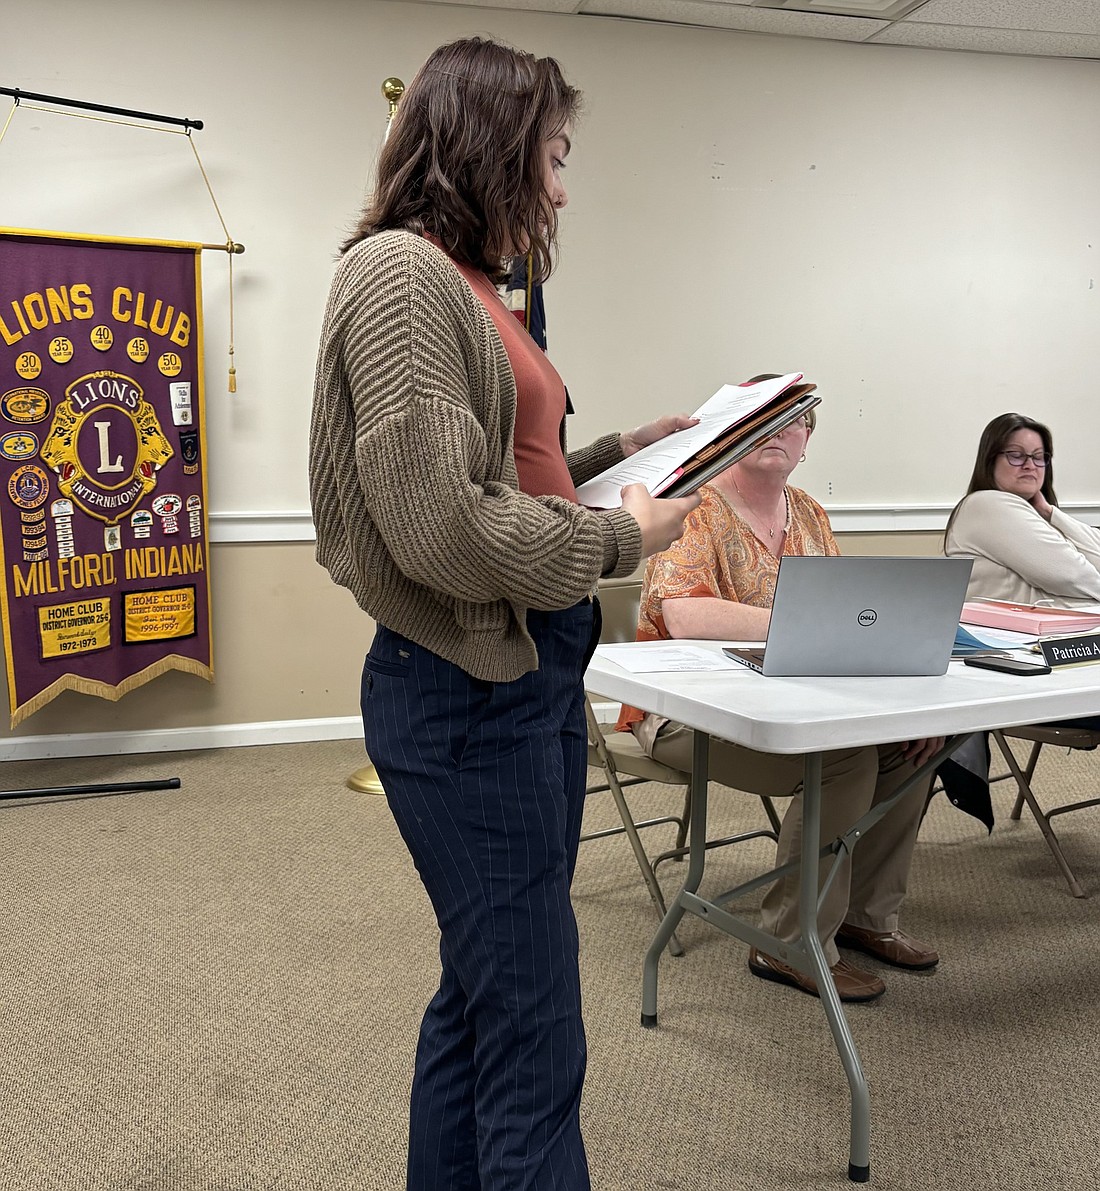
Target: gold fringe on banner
{"x":91,"y":686}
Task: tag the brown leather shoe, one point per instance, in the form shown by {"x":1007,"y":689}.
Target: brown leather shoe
{"x":892,"y":947}
{"x":852,"y":984}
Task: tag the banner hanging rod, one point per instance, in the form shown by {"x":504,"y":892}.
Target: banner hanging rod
{"x":17,"y":95}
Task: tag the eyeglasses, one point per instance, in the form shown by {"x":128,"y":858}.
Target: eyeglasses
{"x":806,"y":421}
{"x":1018,"y":458}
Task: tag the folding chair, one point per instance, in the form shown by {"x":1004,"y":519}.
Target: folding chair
{"x":1040,"y":734}
{"x":619,"y":753}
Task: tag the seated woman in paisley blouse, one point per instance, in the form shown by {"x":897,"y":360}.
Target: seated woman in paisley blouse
{"x":717,"y":582}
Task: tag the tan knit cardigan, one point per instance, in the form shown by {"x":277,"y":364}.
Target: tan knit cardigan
{"x":413,"y":483}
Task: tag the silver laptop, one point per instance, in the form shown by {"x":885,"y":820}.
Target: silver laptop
{"x":872,"y":616}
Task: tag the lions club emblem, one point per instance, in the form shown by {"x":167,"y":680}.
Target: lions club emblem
{"x":106,"y":445}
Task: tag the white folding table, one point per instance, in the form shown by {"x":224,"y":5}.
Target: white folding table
{"x":810,"y":716}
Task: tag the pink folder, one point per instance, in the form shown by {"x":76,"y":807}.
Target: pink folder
{"x":1028,"y":618}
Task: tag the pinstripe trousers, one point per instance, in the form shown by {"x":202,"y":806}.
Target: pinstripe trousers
{"x":486,"y":783}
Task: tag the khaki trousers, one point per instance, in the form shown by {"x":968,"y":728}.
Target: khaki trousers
{"x":870,"y":886}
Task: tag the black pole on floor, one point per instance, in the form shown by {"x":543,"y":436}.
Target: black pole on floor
{"x":167,"y":783}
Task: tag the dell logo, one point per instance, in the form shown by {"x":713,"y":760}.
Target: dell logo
{"x":867,"y":617}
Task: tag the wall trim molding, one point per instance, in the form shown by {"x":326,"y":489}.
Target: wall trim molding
{"x":287,"y":526}
{"x":174,"y":740}
{"x":217,"y":736}
{"x":297,"y":526}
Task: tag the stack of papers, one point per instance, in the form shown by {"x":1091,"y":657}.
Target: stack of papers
{"x":1029,"y":618}
{"x":969,"y":642}
{"x":735,"y":421}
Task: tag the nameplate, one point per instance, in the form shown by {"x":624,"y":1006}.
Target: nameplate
{"x":1071,"y":651}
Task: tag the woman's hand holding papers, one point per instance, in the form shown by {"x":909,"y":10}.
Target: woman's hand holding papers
{"x":643,"y":436}
{"x":661,"y":521}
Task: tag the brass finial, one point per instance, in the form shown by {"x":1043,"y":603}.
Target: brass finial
{"x":392,"y":90}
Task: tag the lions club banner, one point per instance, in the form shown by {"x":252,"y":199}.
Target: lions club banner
{"x":103,"y":537}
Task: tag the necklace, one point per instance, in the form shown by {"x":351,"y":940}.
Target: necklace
{"x":770,"y":530}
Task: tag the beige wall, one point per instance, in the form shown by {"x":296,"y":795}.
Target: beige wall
{"x":915,"y":230}
{"x":917,"y":545}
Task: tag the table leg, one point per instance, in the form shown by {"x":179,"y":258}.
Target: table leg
{"x":808,"y":954}
{"x":859,"y":1166}
{"x":700,"y":762}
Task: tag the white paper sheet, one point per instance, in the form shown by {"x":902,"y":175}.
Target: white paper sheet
{"x":656,"y":659}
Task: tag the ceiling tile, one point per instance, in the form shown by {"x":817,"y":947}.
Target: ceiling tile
{"x":1052,"y":16}
{"x":991,"y":41}
{"x":738,"y":16}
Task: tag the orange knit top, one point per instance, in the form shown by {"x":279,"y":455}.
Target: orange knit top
{"x":540,"y":398}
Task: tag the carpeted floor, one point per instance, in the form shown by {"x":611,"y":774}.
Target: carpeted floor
{"x":218,"y":989}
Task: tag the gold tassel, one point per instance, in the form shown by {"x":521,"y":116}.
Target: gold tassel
{"x":230,"y":249}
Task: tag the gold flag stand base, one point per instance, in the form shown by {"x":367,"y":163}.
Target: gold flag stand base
{"x":365,"y":781}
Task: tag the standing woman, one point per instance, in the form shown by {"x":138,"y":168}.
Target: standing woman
{"x":1025,"y":549}
{"x":445,"y":501}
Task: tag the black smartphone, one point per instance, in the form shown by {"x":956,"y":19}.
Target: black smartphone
{"x":1007,"y":665}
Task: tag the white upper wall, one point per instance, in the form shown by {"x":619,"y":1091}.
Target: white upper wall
{"x":917,"y":231}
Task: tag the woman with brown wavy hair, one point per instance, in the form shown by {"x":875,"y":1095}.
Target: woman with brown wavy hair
{"x":445,"y":500}
{"x":1025,"y":548}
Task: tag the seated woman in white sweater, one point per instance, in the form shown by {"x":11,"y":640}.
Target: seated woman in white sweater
{"x":1025,"y":548}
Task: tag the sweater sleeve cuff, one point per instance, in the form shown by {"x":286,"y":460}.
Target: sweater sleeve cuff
{"x":622,"y":544}
{"x":1062,"y":522}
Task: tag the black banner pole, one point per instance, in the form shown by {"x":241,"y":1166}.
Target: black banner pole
{"x":82,"y":105}
{"x":168,"y":783}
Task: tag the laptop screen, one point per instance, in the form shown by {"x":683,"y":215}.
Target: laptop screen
{"x":834,"y":616}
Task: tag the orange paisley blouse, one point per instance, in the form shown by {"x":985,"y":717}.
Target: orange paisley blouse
{"x":720,"y":556}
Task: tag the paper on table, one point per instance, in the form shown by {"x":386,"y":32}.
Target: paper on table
{"x":656,"y":464}
{"x":971,"y":639}
{"x":656,"y":659}
{"x":1004,"y":638}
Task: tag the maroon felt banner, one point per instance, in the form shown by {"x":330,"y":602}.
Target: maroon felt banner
{"x":103,"y":516}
